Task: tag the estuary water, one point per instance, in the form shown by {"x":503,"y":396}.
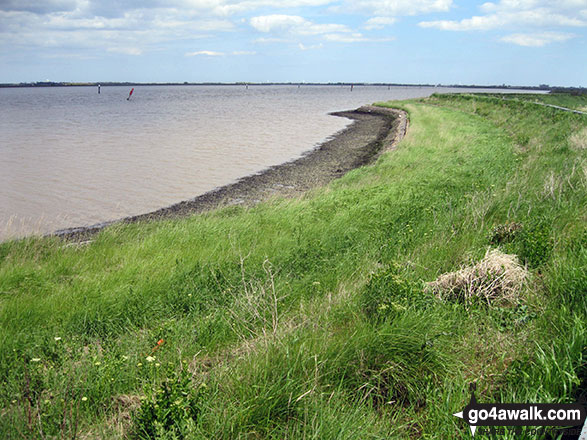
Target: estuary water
{"x":72,"y":157}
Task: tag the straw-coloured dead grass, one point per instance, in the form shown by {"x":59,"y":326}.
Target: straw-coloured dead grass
{"x":578,"y":140}
{"x":497,"y":278}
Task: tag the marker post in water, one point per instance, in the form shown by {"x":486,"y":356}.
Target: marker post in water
{"x":130,"y":94}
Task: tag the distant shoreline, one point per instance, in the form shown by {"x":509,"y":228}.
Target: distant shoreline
{"x":542,"y":87}
{"x":373,"y":131}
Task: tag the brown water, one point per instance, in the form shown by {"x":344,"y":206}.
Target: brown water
{"x":72,"y":157}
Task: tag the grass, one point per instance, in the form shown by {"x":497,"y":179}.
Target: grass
{"x":574,"y":102}
{"x":310,"y":318}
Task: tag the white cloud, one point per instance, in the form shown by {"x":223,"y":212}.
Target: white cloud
{"x":394,"y":8}
{"x":209,"y":53}
{"x":116,"y":8}
{"x":125,"y":50}
{"x":131,"y":33}
{"x":293,"y":24}
{"x":310,"y":47}
{"x":354,"y":38}
{"x":195,"y":25}
{"x":296,"y":26}
{"x":237,"y":7}
{"x":134,"y":26}
{"x":517,"y":13}
{"x":212,"y":53}
{"x":264,"y":40}
{"x":537,"y":40}
{"x":345,"y":38}
{"x":379,"y":22}
{"x":68,"y":20}
{"x":468,"y":24}
{"x":515,"y":5}
{"x":268,"y":23}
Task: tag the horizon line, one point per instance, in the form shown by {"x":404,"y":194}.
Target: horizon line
{"x":268,"y":83}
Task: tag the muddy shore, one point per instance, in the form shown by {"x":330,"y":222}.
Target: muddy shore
{"x":373,"y":131}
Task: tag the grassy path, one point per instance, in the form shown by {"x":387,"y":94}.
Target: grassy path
{"x":309,"y":317}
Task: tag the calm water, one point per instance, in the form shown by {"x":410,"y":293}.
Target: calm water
{"x":70,"y":157}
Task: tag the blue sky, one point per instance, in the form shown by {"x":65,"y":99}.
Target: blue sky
{"x":517,"y":42}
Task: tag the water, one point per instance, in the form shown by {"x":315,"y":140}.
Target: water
{"x":72,"y":157}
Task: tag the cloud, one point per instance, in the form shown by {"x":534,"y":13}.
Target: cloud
{"x":78,"y":30}
{"x":238,"y":7}
{"x":310,"y":47}
{"x":293,"y":24}
{"x":394,"y":8}
{"x":516,"y":13}
{"x":209,"y":53}
{"x":268,"y":23}
{"x":38,"y":6}
{"x":345,"y":38}
{"x":212,"y":53}
{"x":514,"y":5}
{"x":537,"y":40}
{"x":134,"y":26}
{"x":296,"y":26}
{"x":379,"y":22}
{"x":117,"y":8}
{"x":65,"y":21}
{"x":212,"y":25}
{"x":125,"y":50}
{"x":264,"y":40}
{"x":354,"y":38}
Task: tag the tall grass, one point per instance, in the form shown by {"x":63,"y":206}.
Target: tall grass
{"x":308,"y":318}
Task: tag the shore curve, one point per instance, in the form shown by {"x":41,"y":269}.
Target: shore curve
{"x":373,"y":131}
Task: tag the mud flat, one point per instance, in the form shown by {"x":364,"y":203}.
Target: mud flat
{"x":373,"y":131}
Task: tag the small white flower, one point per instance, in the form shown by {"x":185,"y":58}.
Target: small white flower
{"x":57,"y":338}
{"x":84,"y":399}
{"x":36,"y":360}
{"x":149,"y":358}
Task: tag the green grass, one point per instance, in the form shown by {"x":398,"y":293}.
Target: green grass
{"x":308,"y":318}
{"x":575,"y":102}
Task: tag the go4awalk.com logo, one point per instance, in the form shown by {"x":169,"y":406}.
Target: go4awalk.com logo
{"x":521,"y":414}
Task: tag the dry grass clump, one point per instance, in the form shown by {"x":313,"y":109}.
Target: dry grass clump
{"x":578,"y":140}
{"x":497,"y":278}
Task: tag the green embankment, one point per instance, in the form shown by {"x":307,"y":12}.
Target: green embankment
{"x":560,"y":99}
{"x":309,"y":318}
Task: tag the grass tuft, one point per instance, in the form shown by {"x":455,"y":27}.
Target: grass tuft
{"x":497,"y":279}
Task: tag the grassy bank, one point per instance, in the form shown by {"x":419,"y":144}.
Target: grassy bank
{"x":574,"y":102}
{"x":310,"y":318}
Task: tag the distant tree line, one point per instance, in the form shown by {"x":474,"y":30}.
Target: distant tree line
{"x":546,"y":87}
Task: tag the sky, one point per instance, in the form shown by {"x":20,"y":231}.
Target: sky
{"x":514,"y":42}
